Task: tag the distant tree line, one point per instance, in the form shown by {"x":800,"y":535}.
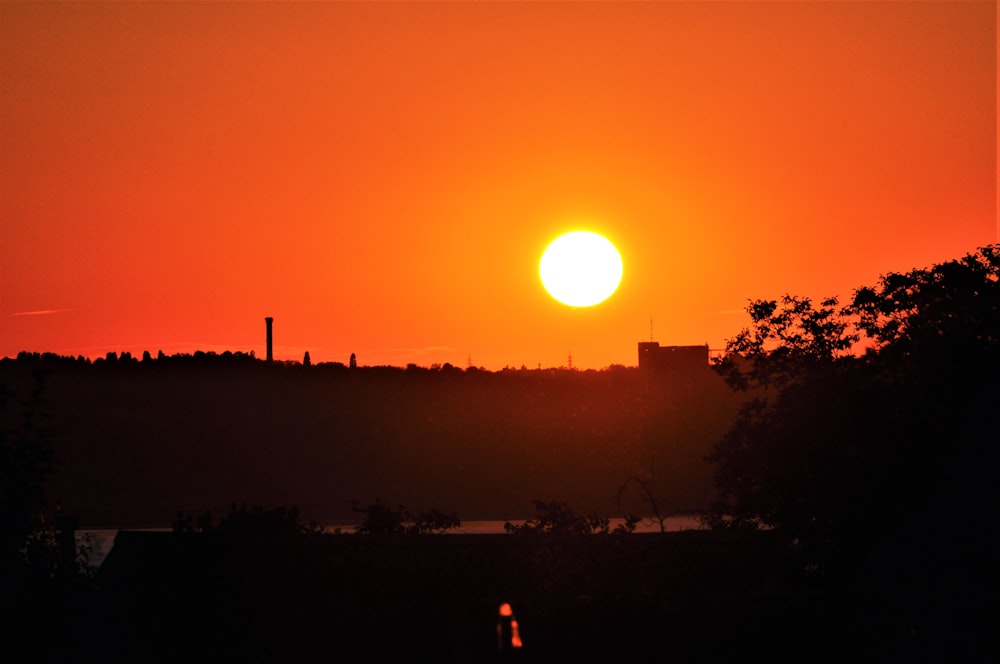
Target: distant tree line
{"x":125,"y":358}
{"x":234,"y":358}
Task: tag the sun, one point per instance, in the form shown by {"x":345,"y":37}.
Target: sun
{"x":581,"y":269}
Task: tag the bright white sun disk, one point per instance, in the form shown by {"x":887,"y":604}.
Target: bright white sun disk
{"x":581,"y":269}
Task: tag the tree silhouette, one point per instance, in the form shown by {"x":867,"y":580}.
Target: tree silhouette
{"x":26,"y":461}
{"x":834,"y":446}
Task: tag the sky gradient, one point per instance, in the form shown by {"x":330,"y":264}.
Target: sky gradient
{"x":382,"y":178}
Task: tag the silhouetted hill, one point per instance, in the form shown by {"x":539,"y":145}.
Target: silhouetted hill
{"x":137,"y":441}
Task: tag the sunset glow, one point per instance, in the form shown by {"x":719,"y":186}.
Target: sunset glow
{"x":382,"y":178}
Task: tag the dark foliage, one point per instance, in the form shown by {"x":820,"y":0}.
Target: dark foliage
{"x":556,"y":517}
{"x":838,"y":448}
{"x":380,"y":518}
{"x":44,"y":580}
{"x":25,"y":458}
{"x":26,"y":461}
{"x":243,"y":520}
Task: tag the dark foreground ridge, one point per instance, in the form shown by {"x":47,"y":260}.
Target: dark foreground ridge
{"x":696,"y":596}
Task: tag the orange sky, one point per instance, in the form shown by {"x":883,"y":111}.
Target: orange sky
{"x":382,"y":178}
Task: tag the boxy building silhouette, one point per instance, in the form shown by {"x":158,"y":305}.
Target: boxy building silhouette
{"x":672,"y":359}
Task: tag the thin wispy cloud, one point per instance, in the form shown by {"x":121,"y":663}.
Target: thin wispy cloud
{"x":40,"y":312}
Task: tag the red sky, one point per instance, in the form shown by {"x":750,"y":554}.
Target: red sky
{"x":382,"y":178}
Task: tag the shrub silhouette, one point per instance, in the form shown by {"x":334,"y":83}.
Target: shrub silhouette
{"x":557,"y":517}
{"x":382,"y":519}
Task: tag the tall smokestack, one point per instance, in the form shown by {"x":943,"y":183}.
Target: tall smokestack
{"x":270,"y":355}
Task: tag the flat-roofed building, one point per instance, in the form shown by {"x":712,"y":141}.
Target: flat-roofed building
{"x":672,"y":359}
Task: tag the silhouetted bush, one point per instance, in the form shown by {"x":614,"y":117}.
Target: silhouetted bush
{"x":558,"y":518}
{"x":381,"y":518}
{"x":243,"y":520}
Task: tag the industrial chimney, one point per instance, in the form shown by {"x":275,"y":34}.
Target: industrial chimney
{"x":270,"y":355}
